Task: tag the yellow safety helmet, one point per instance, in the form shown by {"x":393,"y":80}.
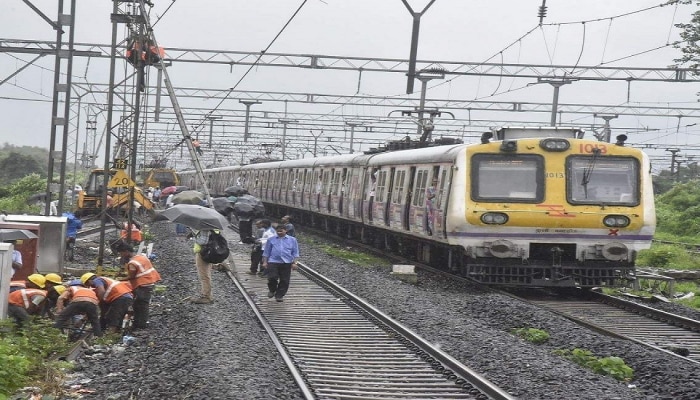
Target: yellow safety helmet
{"x":59,"y":289}
{"x":54,"y":278}
{"x":86,"y":277}
{"x":37,"y":279}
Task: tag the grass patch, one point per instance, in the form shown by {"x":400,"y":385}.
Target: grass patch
{"x":346,"y":253}
{"x":354,"y":256}
{"x":610,"y":366}
{"x":532,"y":335}
{"x":26,"y":357}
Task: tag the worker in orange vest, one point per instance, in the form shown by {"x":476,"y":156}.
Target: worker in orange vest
{"x":196,"y":145}
{"x":80,"y":300}
{"x":143,"y":277}
{"x":136,"y":236}
{"x":25,"y":302}
{"x":115,"y":299}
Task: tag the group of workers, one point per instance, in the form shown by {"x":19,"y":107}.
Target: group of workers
{"x":104,"y":301}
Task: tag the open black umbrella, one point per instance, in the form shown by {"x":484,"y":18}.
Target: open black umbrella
{"x":248,"y":206}
{"x":223,"y":205}
{"x":235,"y":191}
{"x":16,"y":234}
{"x":196,"y":217}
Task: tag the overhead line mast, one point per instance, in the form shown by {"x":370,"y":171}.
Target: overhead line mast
{"x":177,"y":109}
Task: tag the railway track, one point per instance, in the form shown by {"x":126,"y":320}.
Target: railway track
{"x":612,"y":316}
{"x":337,"y":346}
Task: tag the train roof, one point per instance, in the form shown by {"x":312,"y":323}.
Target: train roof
{"x":428,"y":154}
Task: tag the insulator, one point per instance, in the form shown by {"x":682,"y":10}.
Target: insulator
{"x":542,"y":12}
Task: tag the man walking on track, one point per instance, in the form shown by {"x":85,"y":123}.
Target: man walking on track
{"x":280,"y":256}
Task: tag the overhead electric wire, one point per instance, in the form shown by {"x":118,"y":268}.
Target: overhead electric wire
{"x":253,"y":65}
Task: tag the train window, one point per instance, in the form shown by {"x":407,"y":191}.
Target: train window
{"x":513,"y":178}
{"x":608,"y":180}
{"x":381,"y":186}
{"x":397,"y":193}
{"x":335,"y":182}
{"x":421,"y":184}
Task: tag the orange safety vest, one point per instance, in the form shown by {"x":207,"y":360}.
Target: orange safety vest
{"x":24,"y":297}
{"x":115,"y":289}
{"x":80,"y":293}
{"x":145,"y":273}
{"x":18,"y":284}
{"x":135,"y":233}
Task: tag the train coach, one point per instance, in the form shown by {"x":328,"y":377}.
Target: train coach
{"x":529,"y":207}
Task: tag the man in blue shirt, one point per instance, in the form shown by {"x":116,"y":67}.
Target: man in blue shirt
{"x":280,"y":256}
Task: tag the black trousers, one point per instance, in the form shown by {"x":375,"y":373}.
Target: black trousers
{"x":112,"y":314}
{"x":278,"y":277}
{"x":142,"y":301}
{"x":64,"y":319}
{"x":255,"y":258}
{"x":20,"y":314}
{"x":245,"y":230}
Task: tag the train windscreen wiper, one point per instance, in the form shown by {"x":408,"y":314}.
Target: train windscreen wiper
{"x":588,"y":172}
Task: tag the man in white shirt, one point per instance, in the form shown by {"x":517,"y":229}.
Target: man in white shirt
{"x":16,"y":258}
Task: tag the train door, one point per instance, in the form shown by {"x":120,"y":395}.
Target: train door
{"x":418,"y":205}
{"x":324,"y":203}
{"x":317,"y":190}
{"x":352,"y":197}
{"x":336,"y":184}
{"x":264,"y":184}
{"x":406,"y":208}
{"x":305,"y":186}
{"x":444,"y":180}
{"x":388,"y":179}
{"x":368,"y":205}
{"x":284,"y":186}
{"x":395,"y":209}
{"x":344,"y":192}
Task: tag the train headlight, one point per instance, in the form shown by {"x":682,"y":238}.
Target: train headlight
{"x":615,"y":251}
{"x":509,"y":146}
{"x":555,"y":144}
{"x":494,"y":218}
{"x":616,"y":221}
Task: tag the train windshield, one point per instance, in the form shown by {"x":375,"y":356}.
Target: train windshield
{"x":603,"y":180}
{"x":513,"y":178}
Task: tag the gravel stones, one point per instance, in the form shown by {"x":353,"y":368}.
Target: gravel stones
{"x":219,"y":351}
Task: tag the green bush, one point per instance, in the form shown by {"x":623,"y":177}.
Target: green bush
{"x":532,"y":335}
{"x":611,"y":366}
{"x":26,"y":356}
{"x":667,"y":256}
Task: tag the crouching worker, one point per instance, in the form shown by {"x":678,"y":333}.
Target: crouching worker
{"x":143,"y":277}
{"x":80,"y":300}
{"x":25,"y":302}
{"x":115,"y":299}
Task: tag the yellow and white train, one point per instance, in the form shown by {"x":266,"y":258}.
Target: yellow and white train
{"x":532,"y":207}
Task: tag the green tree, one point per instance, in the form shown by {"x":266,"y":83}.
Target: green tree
{"x":16,"y":166}
{"x":690,"y":33}
{"x":18,"y":193}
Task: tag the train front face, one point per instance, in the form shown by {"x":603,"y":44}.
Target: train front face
{"x":555,"y":212}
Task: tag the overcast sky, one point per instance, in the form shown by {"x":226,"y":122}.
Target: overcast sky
{"x":451,"y":30}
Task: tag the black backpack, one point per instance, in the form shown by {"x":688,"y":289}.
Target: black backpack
{"x":215,"y":250}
